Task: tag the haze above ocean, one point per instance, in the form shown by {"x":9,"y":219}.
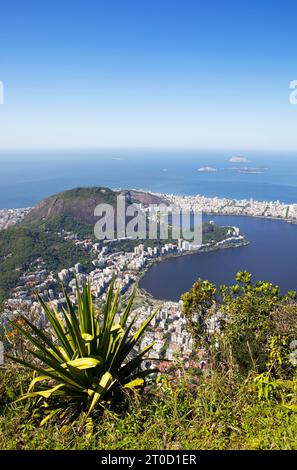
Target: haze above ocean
{"x":26,"y":177}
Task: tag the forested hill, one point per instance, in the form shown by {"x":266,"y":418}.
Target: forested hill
{"x":39,"y":235}
{"x":77,"y":204}
{"x":75,"y":207}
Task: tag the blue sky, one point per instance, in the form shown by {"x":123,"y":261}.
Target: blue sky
{"x":158,"y":73}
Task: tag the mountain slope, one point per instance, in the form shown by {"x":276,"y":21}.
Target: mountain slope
{"x":73,"y":210}
{"x":77,"y":204}
{"x":22,"y":246}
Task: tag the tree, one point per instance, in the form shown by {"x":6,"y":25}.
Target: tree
{"x":249,"y":308}
{"x":196,"y":305}
{"x":252,"y":319}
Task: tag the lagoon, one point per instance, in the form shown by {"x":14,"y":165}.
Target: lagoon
{"x":271,"y":255}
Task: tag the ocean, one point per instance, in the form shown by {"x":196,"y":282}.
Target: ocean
{"x":29,"y":176}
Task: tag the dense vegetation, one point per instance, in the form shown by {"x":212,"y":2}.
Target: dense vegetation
{"x":66,"y":223}
{"x":253,"y":324}
{"x":222,"y":412}
{"x":245,"y":397}
{"x":39,"y":235}
{"x":41,"y":238}
{"x":87,"y":361}
{"x":74,"y":209}
{"x":211,"y":233}
{"x":108,"y":196}
{"x":20,"y":246}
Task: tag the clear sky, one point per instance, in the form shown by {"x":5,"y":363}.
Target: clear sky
{"x":148,"y":73}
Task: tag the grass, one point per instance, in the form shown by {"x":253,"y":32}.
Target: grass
{"x":218,"y":412}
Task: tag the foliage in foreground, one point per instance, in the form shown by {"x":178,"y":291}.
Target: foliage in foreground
{"x":241,"y":324}
{"x":87,"y":360}
{"x":246,"y":397}
{"x":251,"y":328}
{"x":223,"y":412}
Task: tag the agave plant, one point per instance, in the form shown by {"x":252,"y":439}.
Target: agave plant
{"x":88,"y":360}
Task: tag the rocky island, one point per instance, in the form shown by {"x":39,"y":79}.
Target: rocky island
{"x":239,"y":159}
{"x":207,"y":169}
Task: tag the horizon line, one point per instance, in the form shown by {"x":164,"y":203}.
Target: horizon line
{"x":137,"y":148}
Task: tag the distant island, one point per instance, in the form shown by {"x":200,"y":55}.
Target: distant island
{"x":238,"y":159}
{"x":58,"y":235}
{"x":207,"y":169}
{"x":252,"y":170}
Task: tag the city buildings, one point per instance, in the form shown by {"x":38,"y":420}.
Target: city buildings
{"x":168,"y":328}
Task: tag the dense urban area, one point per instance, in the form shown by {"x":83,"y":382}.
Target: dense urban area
{"x":168,"y":329}
{"x":248,"y":207}
{"x":183,"y":351}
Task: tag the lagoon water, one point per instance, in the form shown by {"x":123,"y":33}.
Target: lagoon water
{"x":28,"y":177}
{"x":271,"y":255}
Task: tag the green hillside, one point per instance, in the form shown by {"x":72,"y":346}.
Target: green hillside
{"x":73,"y":210}
{"x":39,"y":235}
{"x":20,"y":246}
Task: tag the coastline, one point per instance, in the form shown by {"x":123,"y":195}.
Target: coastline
{"x":264,"y":217}
{"x":154,"y":261}
{"x":275,"y":210}
{"x":236,"y":207}
{"x":211,"y":207}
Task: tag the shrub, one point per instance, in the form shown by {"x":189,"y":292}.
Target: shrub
{"x":87,"y":360}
